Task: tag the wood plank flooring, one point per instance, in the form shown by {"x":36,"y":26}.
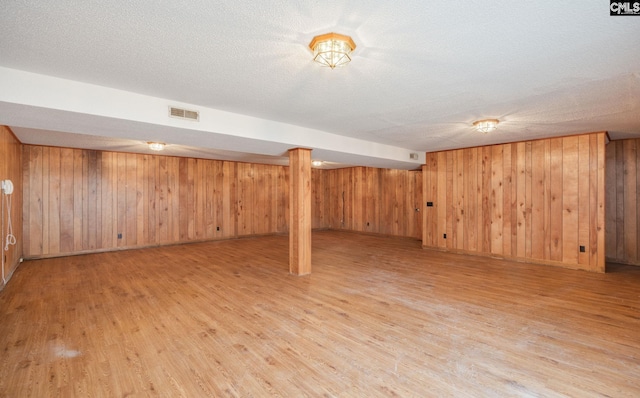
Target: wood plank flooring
{"x":378,"y":317}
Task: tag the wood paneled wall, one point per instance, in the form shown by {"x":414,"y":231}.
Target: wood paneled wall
{"x":11,"y":169}
{"x":538,"y":201}
{"x":365,"y":199}
{"x":623,"y":206}
{"x":86,"y":201}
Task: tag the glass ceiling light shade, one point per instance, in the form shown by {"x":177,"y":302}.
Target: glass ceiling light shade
{"x":332,"y":49}
{"x":486,"y":125}
{"x":156,"y":146}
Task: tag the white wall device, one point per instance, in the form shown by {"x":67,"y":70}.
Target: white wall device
{"x":7,"y":187}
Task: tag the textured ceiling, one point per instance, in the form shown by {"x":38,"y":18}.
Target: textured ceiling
{"x":421,"y":74}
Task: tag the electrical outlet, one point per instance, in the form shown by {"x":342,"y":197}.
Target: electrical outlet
{"x":444,"y":236}
{"x":119,"y":236}
{"x":583,"y":249}
{"x":217,"y":228}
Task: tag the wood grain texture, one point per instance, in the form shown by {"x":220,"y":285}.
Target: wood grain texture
{"x":300,"y":211}
{"x":379,"y":318}
{"x":84,"y":201}
{"x":622,"y":204}
{"x":365,"y":199}
{"x":11,"y":164}
{"x":536,"y":201}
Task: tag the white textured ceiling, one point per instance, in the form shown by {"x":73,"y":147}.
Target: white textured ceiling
{"x":93,"y":73}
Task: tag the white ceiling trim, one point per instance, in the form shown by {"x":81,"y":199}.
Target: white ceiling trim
{"x":116,"y":113}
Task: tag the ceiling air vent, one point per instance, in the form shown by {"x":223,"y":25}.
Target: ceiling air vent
{"x":183,"y":113}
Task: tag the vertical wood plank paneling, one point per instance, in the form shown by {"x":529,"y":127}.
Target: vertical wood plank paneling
{"x":373,"y":200}
{"x":611,"y":203}
{"x":486,"y":199}
{"x":475,"y":192}
{"x":535,"y":200}
{"x":358,"y":199}
{"x":106,"y":159}
{"x":200,"y":193}
{"x":46,"y":216}
{"x":441,"y":204}
{"x":327,"y":198}
{"x":417,"y":205}
{"x":85,"y":203}
{"x":258,"y":202}
{"x":283,"y":199}
{"x":538,"y":227}
{"x":396,"y":175}
{"x":496,"y":199}
{"x":191,"y":199}
{"x":115,"y":240}
{"x":513,"y":205}
{"x":584,"y":199}
{"x":244,"y":226}
{"x":557,"y":190}
{"x":183,"y":198}
{"x":433,"y":197}
{"x":228,"y":213}
{"x":630,"y":200}
{"x":350,"y":200}
{"x":34,"y":228}
{"x":98,"y":199}
{"x":507,"y":204}
{"x":131,"y":198}
{"x":528,"y":164}
{"x":149,"y":199}
{"x":209,"y":176}
{"x":547,"y":199}
{"x":26,"y":188}
{"x":426,"y":184}
{"x":79,"y":198}
{"x":620,"y":200}
{"x":471,"y":186}
{"x":370,"y":196}
{"x":152,"y":204}
{"x":54,"y":200}
{"x":92,"y":200}
{"x":520,"y":200}
{"x":142,"y":198}
{"x":600,"y":229}
{"x":570,"y":217}
{"x":449,"y":202}
{"x":174,"y":186}
{"x":213,"y":198}
{"x":459,"y":199}
{"x":162,"y":200}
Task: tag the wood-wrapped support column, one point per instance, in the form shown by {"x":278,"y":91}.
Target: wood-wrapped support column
{"x":300,"y":211}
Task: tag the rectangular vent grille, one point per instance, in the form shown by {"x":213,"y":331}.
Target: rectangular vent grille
{"x":184,"y":113}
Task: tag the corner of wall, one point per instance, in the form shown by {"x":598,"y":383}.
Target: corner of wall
{"x":11,"y":169}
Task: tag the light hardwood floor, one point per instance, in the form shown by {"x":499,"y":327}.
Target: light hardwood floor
{"x":377,"y":317}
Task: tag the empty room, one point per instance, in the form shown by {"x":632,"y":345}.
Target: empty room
{"x":336,"y":199}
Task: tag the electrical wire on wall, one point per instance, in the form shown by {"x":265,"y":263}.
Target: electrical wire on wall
{"x":11,"y":238}
{"x":7,"y":190}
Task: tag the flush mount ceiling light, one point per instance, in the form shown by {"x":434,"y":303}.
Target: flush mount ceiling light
{"x":156,"y":146}
{"x":486,"y":125}
{"x":317,"y":163}
{"x":332,"y":49}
